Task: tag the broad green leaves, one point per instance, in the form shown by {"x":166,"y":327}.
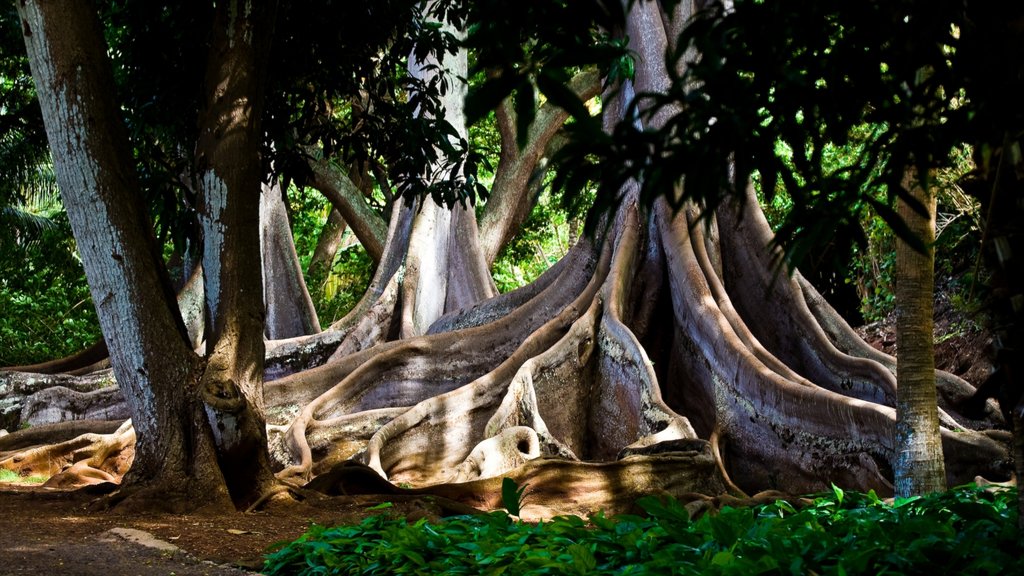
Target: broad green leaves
{"x":512,"y":496}
{"x":966,"y":531}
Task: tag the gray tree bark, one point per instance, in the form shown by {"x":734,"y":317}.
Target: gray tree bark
{"x":155,"y":368}
{"x":228,"y":162}
{"x":289,"y":307}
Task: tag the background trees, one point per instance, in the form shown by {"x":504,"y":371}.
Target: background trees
{"x":648,"y":348}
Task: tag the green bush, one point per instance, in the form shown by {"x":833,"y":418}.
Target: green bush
{"x":963,"y":531}
{"x":46,"y":311}
{"x":335,"y":294}
{"x":544,"y":238}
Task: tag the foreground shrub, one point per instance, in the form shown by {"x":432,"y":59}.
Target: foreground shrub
{"x":965,"y":531}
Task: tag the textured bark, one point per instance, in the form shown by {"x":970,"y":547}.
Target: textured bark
{"x":18,"y":389}
{"x":919,"y":465}
{"x":154,"y":366}
{"x":93,"y":455}
{"x":11,"y":444}
{"x":227,"y":158}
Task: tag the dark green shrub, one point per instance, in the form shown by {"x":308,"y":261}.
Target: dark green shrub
{"x":963,"y":531}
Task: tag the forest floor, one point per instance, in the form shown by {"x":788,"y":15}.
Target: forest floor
{"x":961,"y":339}
{"x":45,"y":531}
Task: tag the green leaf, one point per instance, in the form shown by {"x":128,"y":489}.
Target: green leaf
{"x":582,"y":558}
{"x":838,"y":494}
{"x":511,"y":496}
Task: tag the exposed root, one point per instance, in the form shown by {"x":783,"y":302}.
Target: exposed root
{"x":83,"y":460}
{"x":16,"y":388}
{"x":716,"y":451}
{"x":53,"y":434}
{"x":83,"y":359}
{"x":275,"y":493}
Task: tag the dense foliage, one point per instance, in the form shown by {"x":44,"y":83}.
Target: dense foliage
{"x":47,"y":318}
{"x":965,"y":531}
{"x":47,"y":311}
{"x":45,"y":304}
{"x":921,"y":75}
{"x":859,"y":279}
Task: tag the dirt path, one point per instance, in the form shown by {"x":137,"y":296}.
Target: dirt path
{"x":51,"y":532}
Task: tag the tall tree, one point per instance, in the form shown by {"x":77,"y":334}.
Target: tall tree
{"x":919,"y":468}
{"x":191,"y":418}
{"x":663,"y":353}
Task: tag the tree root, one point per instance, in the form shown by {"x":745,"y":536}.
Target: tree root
{"x":720,"y":462}
{"x":86,"y":459}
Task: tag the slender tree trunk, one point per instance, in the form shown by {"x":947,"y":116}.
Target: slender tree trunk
{"x":348,"y":200}
{"x":327,"y":245}
{"x":918,"y":466}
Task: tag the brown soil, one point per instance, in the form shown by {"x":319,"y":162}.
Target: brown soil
{"x":44,"y":531}
{"x":961,"y":340}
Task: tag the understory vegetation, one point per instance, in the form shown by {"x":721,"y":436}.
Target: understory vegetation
{"x":47,"y":310}
{"x":967,"y":530}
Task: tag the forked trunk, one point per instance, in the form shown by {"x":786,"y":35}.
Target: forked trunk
{"x":155,"y":367}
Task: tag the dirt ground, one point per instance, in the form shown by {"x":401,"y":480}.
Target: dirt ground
{"x":44,"y":531}
{"x":961,"y":340}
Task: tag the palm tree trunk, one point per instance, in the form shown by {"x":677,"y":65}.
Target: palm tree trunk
{"x":919,"y":466}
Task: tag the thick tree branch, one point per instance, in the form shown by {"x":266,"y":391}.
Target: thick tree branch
{"x":511,"y":198}
{"x":368,"y":226}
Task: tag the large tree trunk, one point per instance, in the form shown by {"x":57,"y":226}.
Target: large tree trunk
{"x":289,"y":307}
{"x":156,"y":370}
{"x":445,"y":269}
{"x":228,"y":162}
{"x":663,"y":355}
{"x":919,"y":467}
